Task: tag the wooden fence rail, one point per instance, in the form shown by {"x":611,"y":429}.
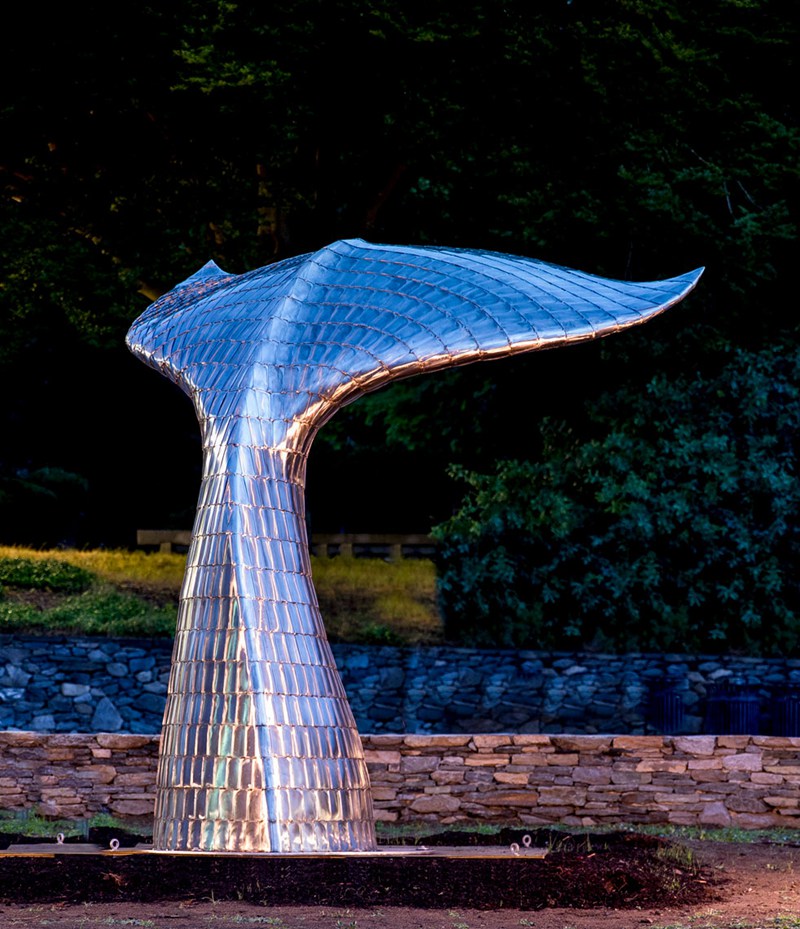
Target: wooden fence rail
{"x":391,"y":546}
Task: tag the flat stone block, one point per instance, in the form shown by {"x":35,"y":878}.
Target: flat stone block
{"x":448,"y":777}
{"x":705,"y":764}
{"x":680,"y":818}
{"x":765,"y":777}
{"x":486,"y":760}
{"x":436,"y":803}
{"x":670,"y":799}
{"x":739,"y":742}
{"x":20,"y":739}
{"x":756,"y":820}
{"x":383,"y":740}
{"x":662,"y":765}
{"x":490,"y":742}
{"x":783,"y":769}
{"x":741,"y":804}
{"x":538,"y":776}
{"x":566,"y":759}
{"x":592,"y":775}
{"x":696,"y":744}
{"x":381,"y":757}
{"x":530,"y":759}
{"x":590,"y":744}
{"x":99,"y":773}
{"x":782,"y":801}
{"x":627,"y":778}
{"x":59,"y":754}
{"x":125,"y":741}
{"x":415,"y":764}
{"x":131,"y":807}
{"x":74,"y":690}
{"x":714,"y":814}
{"x":630,"y":743}
{"x":713,"y":776}
{"x":51,"y":793}
{"x":436,"y":741}
{"x":136,"y":779}
{"x":747,"y":761}
{"x":774,"y":741}
{"x":43,"y":723}
{"x":385,"y":816}
{"x":443,"y":789}
{"x":511,"y":777}
{"x":559,"y":796}
{"x":503,"y":798}
{"x":533,"y":740}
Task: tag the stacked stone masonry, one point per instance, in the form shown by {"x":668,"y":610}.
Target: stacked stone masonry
{"x":743,"y":781}
{"x":92,"y":685}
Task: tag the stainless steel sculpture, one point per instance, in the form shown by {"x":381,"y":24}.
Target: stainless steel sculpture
{"x":259,"y":748}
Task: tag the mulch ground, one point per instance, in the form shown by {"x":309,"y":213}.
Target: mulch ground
{"x":622,"y":870}
{"x":749,"y":885}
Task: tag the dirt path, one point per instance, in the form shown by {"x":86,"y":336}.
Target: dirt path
{"x":759,"y":889}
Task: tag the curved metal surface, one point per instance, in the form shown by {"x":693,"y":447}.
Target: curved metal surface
{"x":259,"y":747}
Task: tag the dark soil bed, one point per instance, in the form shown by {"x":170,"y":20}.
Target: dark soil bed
{"x":621,"y":870}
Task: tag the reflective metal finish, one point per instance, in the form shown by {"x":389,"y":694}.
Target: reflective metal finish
{"x":259,"y":748}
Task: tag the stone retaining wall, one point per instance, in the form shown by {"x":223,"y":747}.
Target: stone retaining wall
{"x":749,"y":782}
{"x":117,"y":685}
{"x":744,"y":781}
{"x":60,"y":684}
{"x":78,"y":775}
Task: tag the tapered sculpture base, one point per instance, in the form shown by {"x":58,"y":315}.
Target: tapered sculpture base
{"x":259,"y":748}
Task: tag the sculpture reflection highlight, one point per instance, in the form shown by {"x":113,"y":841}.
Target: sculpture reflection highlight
{"x":259,"y":748}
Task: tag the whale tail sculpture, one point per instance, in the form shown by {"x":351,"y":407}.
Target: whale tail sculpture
{"x":259,"y":749}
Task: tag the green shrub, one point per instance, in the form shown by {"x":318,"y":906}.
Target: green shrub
{"x":44,"y":574}
{"x":108,"y":612}
{"x":674,"y":528}
{"x":20,"y":617}
{"x":100,"y":611}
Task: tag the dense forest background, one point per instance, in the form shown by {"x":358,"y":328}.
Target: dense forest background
{"x":631,"y":139}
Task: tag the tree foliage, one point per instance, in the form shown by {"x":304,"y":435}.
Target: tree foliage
{"x":675,"y":526}
{"x":631,"y":139}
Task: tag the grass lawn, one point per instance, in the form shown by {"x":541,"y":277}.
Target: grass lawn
{"x":123,"y":593}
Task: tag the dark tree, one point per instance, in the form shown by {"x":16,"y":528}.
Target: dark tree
{"x":630,"y":139}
